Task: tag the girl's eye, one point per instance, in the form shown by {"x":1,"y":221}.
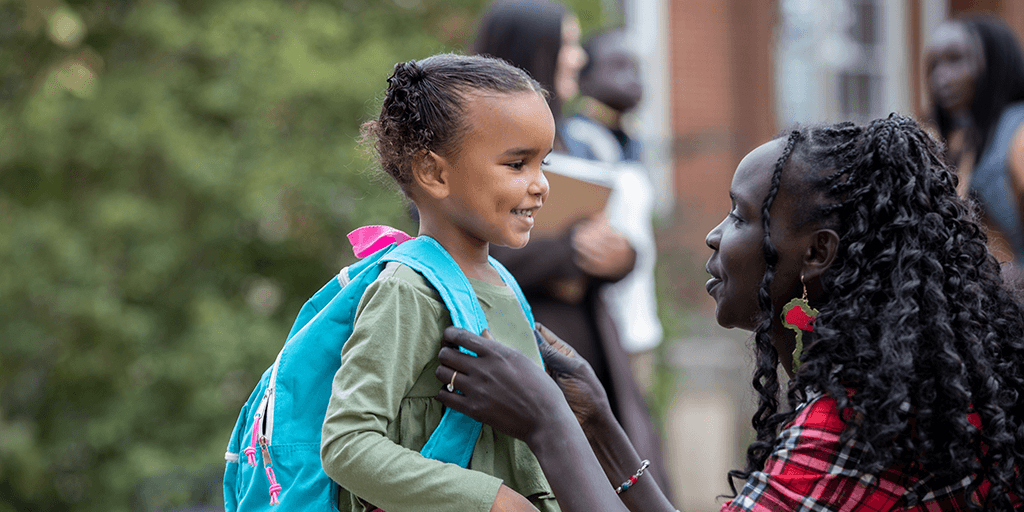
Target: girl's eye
{"x":517,"y":165}
{"x":545,"y":163}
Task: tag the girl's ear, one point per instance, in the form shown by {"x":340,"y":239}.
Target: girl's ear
{"x":430,"y":172}
{"x":820,"y":253}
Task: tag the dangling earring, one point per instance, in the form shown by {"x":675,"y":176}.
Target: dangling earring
{"x":798,"y":315}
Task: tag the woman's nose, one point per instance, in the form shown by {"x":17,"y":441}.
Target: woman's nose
{"x":714,"y":237}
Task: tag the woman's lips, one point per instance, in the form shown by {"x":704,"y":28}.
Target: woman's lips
{"x":711,"y":284}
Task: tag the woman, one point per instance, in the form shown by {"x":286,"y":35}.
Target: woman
{"x":975,"y":74}
{"x":904,"y":390}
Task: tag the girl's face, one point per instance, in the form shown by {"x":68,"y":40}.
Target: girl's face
{"x":737,"y":265}
{"x":953,"y":62}
{"x":496,"y":184}
{"x":571,"y":59}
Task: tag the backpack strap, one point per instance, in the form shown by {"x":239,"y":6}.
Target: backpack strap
{"x":427,"y":257}
{"x":455,"y":436}
{"x":511,"y":282}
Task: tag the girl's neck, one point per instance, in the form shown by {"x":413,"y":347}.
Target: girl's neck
{"x":470,"y":255}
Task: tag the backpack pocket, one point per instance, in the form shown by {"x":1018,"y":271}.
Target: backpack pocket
{"x":297,"y":469}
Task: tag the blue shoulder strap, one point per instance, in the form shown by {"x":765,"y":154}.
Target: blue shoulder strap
{"x":512,"y":283}
{"x":427,"y":257}
{"x":455,"y":437}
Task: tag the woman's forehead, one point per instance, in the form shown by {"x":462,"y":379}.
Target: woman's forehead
{"x":951,"y":34}
{"x":753,"y":174}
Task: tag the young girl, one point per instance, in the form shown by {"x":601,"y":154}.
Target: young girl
{"x":905,"y":390}
{"x":464,"y":137}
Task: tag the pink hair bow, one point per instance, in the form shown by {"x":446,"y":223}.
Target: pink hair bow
{"x":370,"y":239}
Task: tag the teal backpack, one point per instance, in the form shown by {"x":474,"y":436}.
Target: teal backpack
{"x":273,"y":455}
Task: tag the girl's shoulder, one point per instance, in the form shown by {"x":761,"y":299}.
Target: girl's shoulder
{"x":400,"y":290}
{"x":401,"y":278}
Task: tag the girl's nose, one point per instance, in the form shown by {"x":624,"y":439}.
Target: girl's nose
{"x":539,"y":185}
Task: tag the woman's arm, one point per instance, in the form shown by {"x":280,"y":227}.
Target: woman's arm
{"x":601,"y":251}
{"x":593,"y":248}
{"x":502,"y":388}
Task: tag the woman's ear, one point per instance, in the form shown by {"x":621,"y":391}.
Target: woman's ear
{"x":430,"y":172}
{"x":820,"y":253}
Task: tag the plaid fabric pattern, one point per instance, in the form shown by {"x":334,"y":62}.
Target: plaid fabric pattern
{"x":811,"y":470}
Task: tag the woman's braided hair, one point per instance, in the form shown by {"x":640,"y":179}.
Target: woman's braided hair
{"x":424,"y":105}
{"x":914,"y":318}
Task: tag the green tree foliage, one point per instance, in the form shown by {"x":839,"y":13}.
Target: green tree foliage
{"x":176,"y":178}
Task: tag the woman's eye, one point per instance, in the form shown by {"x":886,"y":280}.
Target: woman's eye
{"x":734,"y":217}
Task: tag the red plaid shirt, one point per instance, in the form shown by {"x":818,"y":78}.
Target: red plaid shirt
{"x":811,"y":470}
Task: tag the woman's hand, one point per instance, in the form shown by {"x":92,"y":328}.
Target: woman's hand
{"x":500,"y":387}
{"x":503,"y":388}
{"x":577,"y":380}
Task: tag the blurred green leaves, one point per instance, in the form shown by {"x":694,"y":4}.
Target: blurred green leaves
{"x":176,"y":178}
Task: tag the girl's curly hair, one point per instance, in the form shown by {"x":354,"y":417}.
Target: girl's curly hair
{"x":915,"y":317}
{"x":424,"y":105}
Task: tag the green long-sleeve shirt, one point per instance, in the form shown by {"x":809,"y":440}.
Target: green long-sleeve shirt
{"x":383,"y":405}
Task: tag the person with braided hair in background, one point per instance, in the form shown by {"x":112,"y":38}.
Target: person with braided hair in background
{"x":857,"y":266}
{"x":464,"y":138}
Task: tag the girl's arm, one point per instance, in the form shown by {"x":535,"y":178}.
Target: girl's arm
{"x":382,"y":363}
{"x":584,"y":452}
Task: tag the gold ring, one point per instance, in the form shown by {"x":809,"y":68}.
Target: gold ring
{"x":451,"y":385}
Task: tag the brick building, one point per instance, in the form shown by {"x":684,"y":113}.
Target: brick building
{"x":724,"y":76}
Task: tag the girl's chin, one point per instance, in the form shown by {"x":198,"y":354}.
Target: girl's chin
{"x":518,"y":244}
{"x":517,"y":241}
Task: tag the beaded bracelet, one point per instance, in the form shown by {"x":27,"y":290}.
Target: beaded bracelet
{"x":632,"y":480}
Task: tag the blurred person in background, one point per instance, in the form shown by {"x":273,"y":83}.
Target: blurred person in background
{"x":975,"y":76}
{"x":610,"y":87}
{"x":563,"y":277}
